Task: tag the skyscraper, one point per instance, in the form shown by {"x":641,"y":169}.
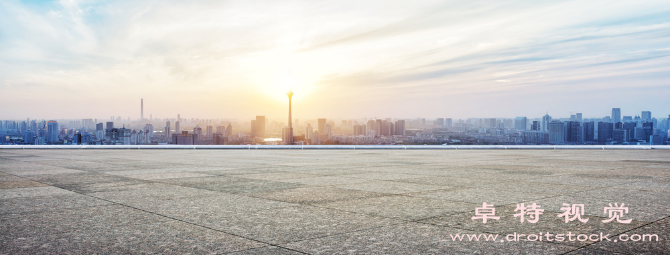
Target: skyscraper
{"x":574,"y":132}
{"x":52,"y":131}
{"x":197,"y":132}
{"x":556,"y":132}
{"x":520,"y":123}
{"x":535,"y":126}
{"x":176,"y":127}
{"x":258,"y":127}
{"x":616,"y":115}
{"x":289,"y":135}
{"x":646,"y":115}
{"x":359,"y":130}
{"x":309,"y":132}
{"x":329,"y":131}
{"x":400,"y":127}
{"x":579,"y":116}
{"x":99,"y":132}
{"x":210,"y":132}
{"x":546,"y":119}
{"x":142,"y":109}
{"x":630,"y":128}
{"x":589,"y":131}
{"x":229,"y":130}
{"x":322,"y":126}
{"x":148,"y":133}
{"x":167,"y":129}
{"x":605,"y":132}
{"x":447,"y":122}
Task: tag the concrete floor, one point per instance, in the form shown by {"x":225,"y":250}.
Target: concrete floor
{"x":330,"y":201}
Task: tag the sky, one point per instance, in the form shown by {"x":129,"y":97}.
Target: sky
{"x":342,"y":59}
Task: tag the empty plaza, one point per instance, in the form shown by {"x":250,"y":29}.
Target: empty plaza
{"x":330,"y":201}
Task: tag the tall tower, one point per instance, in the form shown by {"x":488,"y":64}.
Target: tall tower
{"x":290,"y":119}
{"x":142,"y":109}
{"x":616,"y":115}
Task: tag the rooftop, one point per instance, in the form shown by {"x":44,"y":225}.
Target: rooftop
{"x":325,"y":201}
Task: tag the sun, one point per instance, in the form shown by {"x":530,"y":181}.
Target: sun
{"x":276,"y":85}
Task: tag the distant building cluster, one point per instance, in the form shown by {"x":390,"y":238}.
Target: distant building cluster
{"x":640,"y":129}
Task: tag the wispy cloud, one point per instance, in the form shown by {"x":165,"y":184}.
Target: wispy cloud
{"x":348,"y":58}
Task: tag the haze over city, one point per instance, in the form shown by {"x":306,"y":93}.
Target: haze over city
{"x":346,"y":59}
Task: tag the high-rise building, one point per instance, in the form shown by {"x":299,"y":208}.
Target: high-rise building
{"x":177,"y":129}
{"x":648,"y":130}
{"x":258,"y":127}
{"x":379,"y":125}
{"x":589,"y":131}
{"x":142,"y":109}
{"x":359,"y":130}
{"x":535,"y":137}
{"x":616,"y":115}
{"x":229,"y":130}
{"x":33,"y":126}
{"x":630,"y":128}
{"x":309,"y":132}
{"x":322,"y":126}
{"x":99,"y":132}
{"x":546,"y":119}
{"x":167,"y":129}
{"x":579,"y":116}
{"x":640,"y":134}
{"x":520,"y":123}
{"x":556,"y":132}
{"x":329,"y":131}
{"x":400,"y":127}
{"x":620,"y":135}
{"x":535,"y":126}
{"x":210,"y":132}
{"x":385,"y":130}
{"x":87,"y":123}
{"x":219,"y":139}
{"x":574,"y":132}
{"x":439,"y":122}
{"x":285,"y":135}
{"x":184,"y":138}
{"x":110,"y":125}
{"x":197,"y":132}
{"x":28,"y":137}
{"x":53,"y":130}
{"x":605,"y":132}
{"x":447,"y":122}
{"x":646,"y":115}
{"x":289,"y":134}
{"x":492,"y":123}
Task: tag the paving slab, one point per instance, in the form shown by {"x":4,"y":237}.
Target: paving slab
{"x":324,"y":202}
{"x":312,"y":195}
{"x":402,"y":207}
{"x":414,"y":238}
{"x":643,"y":245}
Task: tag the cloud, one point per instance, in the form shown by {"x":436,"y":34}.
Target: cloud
{"x":431,"y":57}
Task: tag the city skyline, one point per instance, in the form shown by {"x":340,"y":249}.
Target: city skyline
{"x":349,"y":59}
{"x":141,"y":116}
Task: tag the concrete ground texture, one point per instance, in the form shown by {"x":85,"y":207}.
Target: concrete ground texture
{"x":329,"y":201}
